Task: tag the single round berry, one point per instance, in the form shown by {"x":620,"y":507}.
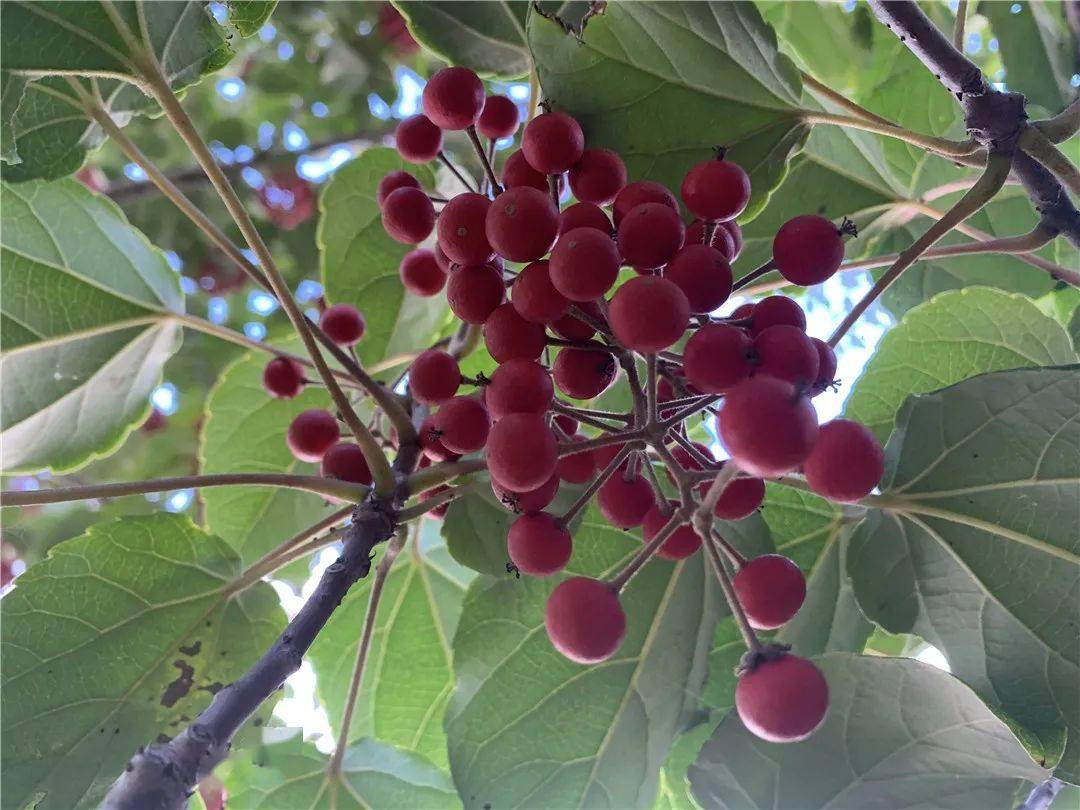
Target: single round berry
{"x":584,"y":264}
{"x":785,"y":352}
{"x":393,"y":181}
{"x":716,"y":190}
{"x":718,"y":356}
{"x":535,"y":297}
{"x":847,"y":461}
{"x":521,"y":451}
{"x":431,"y":441}
{"x":474,"y":291}
{"x":584,"y":620}
{"x":577,"y":468}
{"x":649,"y":236}
{"x":342,"y":323}
{"x":808,"y":249}
{"x":552,"y":142}
{"x":624,"y":501}
{"x":499,"y":118}
{"x":782,"y":699}
{"x":531,"y":501}
{"x":584,"y":373}
{"x":721,"y":240}
{"x":767,"y":427}
{"x":461,"y":229}
{"x":418,"y":140}
{"x":703,"y":274}
{"x":743,"y":311}
{"x":346,"y":462}
{"x":732,"y":227}
{"x":283,"y":378}
{"x":434,"y":377}
{"x":517,"y":172}
{"x":521,"y":224}
{"x":538,"y":544}
{"x":408,"y":215}
{"x":777,"y":310}
{"x":639,"y":193}
{"x":740,"y":499}
{"x":598,"y":176}
{"x":771,"y":589}
{"x":508,"y":336}
{"x":648,"y":314}
{"x":584,"y":215}
{"x":444,"y":261}
{"x":519,"y":386}
{"x":571,"y":327}
{"x":311,"y":434}
{"x":681,"y":543}
{"x":454,"y":98}
{"x":826,"y":366}
{"x":421,"y":274}
{"x":464,"y":424}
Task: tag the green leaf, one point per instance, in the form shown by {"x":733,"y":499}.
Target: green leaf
{"x":360,"y":261}
{"x":615,"y":720}
{"x":248,"y":16}
{"x":374,"y":776}
{"x":85,"y":325}
{"x":408,"y":678}
{"x":899,"y":733}
{"x":12,"y":88}
{"x":664,"y":83}
{"x":119,"y":634}
{"x":974,"y":545}
{"x":953,"y":336}
{"x":674,"y":791}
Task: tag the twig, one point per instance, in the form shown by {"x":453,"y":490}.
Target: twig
{"x":484,"y":161}
{"x":843,"y":102}
{"x":1040,"y":147}
{"x":455,"y":171}
{"x":601,"y":478}
{"x":958,"y":26}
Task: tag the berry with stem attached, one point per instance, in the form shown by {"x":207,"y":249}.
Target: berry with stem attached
{"x":716,"y":190}
{"x":311,"y":433}
{"x":345,"y":461}
{"x":782,"y":699}
{"x":342,"y":323}
{"x":552,"y":142}
{"x":463,"y":424}
{"x":584,"y":373}
{"x":681,"y":543}
{"x":624,"y":501}
{"x":434,"y":377}
{"x":474,"y":291}
{"x":499,"y":118}
{"x":283,"y":378}
{"x":808,"y":249}
{"x":418,"y":140}
{"x":740,"y":499}
{"x":454,"y":98}
{"x":722,"y":239}
{"x":461,"y":230}
{"x":538,"y":544}
{"x":408,"y":215}
{"x":508,"y":336}
{"x":571,"y":327}
{"x":703,"y":274}
{"x":584,"y":620}
{"x":777,"y":310}
{"x":393,"y":181}
{"x":584,"y":264}
{"x":521,"y":224}
{"x":639,"y":193}
{"x":771,"y":589}
{"x":649,"y":314}
{"x":718,"y":356}
{"x":532,"y":500}
{"x":519,"y":386}
{"x":826,"y":366}
{"x":598,"y":176}
{"x":847,"y":461}
{"x":421,"y":274}
{"x":430,"y":436}
{"x":767,"y":426}
{"x":521,"y":451}
{"x":786,"y":353}
{"x":649,"y":235}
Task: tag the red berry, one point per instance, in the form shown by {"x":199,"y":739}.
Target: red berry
{"x":552,"y":142}
{"x":444,"y":261}
{"x":771,"y":589}
{"x":508,"y":336}
{"x":577,"y":468}
{"x":517,"y":172}
{"x":454,"y":98}
{"x":498,"y":119}
{"x":648,"y":314}
{"x":521,"y":451}
{"x":808,"y":249}
{"x":584,"y":215}
{"x":718,"y":356}
{"x":786,"y":353}
{"x":342,"y":323}
{"x":688,"y":461}
{"x":567,"y":424}
{"x":532,"y":501}
{"x":535,"y":297}
{"x":571,"y":327}
{"x":474,"y":291}
{"x":421,"y":274}
{"x":649,"y":236}
{"x":521,"y":224}
{"x":431,"y":441}
{"x":722,"y":239}
{"x":598,"y":176}
{"x":767,"y":427}
{"x":777,"y":310}
{"x":682,"y":542}
{"x":464,"y":424}
{"x":408,"y":215}
{"x":740,"y":499}
{"x":743,"y":311}
{"x":461,"y":229}
{"x":434,"y":377}
{"x":847,"y":461}
{"x":584,"y":373}
{"x":584,"y":620}
{"x":393,"y":181}
{"x":283,"y":378}
{"x":732,"y":227}
{"x":418,"y":140}
{"x":703,"y":274}
{"x":782,"y":700}
{"x":716,"y":190}
{"x":538,"y":544}
{"x":639,"y":193}
{"x":439,"y":512}
{"x":311,"y":434}
{"x":826,"y":366}
{"x":346,"y":461}
{"x":624,"y":502}
{"x":606,"y":454}
{"x":519,"y":386}
{"x":584,"y":264}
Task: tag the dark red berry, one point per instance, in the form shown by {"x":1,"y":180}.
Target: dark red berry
{"x":771,"y":589}
{"x":535,"y":297}
{"x":847,"y":461}
{"x":732,"y":227}
{"x":777,"y":310}
{"x":517,"y":172}
{"x":418,"y":140}
{"x":474,"y":291}
{"x":624,"y":502}
{"x":311,"y":434}
{"x":648,"y":313}
{"x":519,"y":386}
{"x":598,"y":176}
{"x":431,"y":441}
{"x":703,"y":275}
{"x":649,"y":236}
{"x":434,"y":377}
{"x":584,"y":373}
{"x":826,"y":366}
{"x":521,"y":224}
{"x":342,"y":323}
{"x":538,"y":544}
{"x":464,"y":424}
{"x":420,"y":273}
{"x":521,"y":451}
{"x":584,"y":264}
{"x":408,"y":215}
{"x":552,"y":142}
{"x":584,"y":620}
{"x":461,"y":229}
{"x":499,"y":118}
{"x":721,"y":241}
{"x":577,"y":468}
{"x":584,"y":215}
{"x":740,"y":499}
{"x":283,"y":378}
{"x":454,"y":98}
{"x":532,"y":501}
{"x":639,"y":193}
{"x":567,"y":424}
{"x":782,"y":699}
{"x":785,"y":352}
{"x":606,"y":454}
{"x":767,"y":427}
{"x":346,"y":462}
{"x":508,"y":336}
{"x":716,"y":190}
{"x":808,"y":249}
{"x":393,"y":181}
{"x":682,"y":543}
{"x":444,"y":261}
{"x":743,"y":311}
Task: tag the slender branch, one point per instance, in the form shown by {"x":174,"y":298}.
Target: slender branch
{"x":454,"y":170}
{"x":961,"y":151}
{"x":626,"y":436}
{"x":601,"y":478}
{"x":737,"y":559}
{"x":843,"y":102}
{"x":688,"y":446}
{"x":1063,"y":125}
{"x":436,"y":474}
{"x":958,"y":26}
{"x":702,"y":404}
{"x":703,"y":514}
{"x":432,"y":502}
{"x":619,"y":581}
{"x":749,"y":636}
{"x":753,"y":275}
{"x":272,"y":560}
{"x":1040,"y":147}
{"x":484,"y":161}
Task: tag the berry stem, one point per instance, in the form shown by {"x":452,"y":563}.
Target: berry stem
{"x":650,"y":388}
{"x":654,"y":482}
{"x":588,"y":417}
{"x":839,"y":100}
{"x":1036,"y":144}
{"x":455,"y":171}
{"x":1062,"y":126}
{"x":749,"y":636}
{"x":754,"y":275}
{"x":687,"y":445}
{"x":273,"y":560}
{"x":625,"y":436}
{"x":960,"y":151}
{"x":702,"y":404}
{"x":441,"y":473}
{"x":601,"y":478}
{"x":484,"y":161}
{"x":553,"y":189}
{"x":433,"y":502}
{"x":737,"y":559}
{"x":619,"y":581}
{"x":958,"y":26}
{"x":703,"y":515}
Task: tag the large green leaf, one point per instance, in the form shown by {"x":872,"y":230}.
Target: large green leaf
{"x":12,"y":88}
{"x":408,"y":678}
{"x":975,"y":548}
{"x":527,"y":726}
{"x":664,"y":83}
{"x":899,"y":733}
{"x":954,"y":336}
{"x":118,"y":635}
{"x":85,"y":322}
{"x":360,"y":261}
